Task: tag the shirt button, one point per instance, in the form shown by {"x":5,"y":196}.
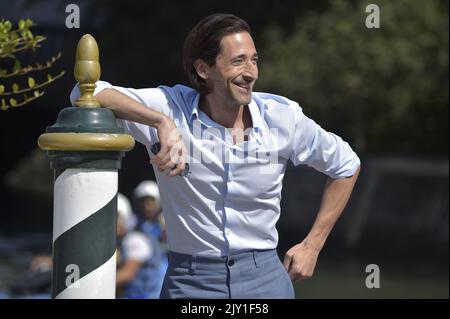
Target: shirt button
{"x":231,"y":262}
{"x":227,"y":231}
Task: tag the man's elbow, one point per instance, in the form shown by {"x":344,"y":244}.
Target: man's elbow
{"x":103,"y":96}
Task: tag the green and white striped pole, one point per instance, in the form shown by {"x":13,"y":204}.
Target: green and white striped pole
{"x":85,"y":147}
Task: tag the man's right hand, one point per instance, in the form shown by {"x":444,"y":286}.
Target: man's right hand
{"x":172,"y":154}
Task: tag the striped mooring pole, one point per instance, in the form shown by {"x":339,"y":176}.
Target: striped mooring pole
{"x":85,"y":147}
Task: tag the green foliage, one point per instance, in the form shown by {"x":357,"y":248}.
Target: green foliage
{"x":383,"y":89}
{"x":12,"y":42}
{"x":16,"y":40}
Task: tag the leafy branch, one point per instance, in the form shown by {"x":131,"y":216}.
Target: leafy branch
{"x":30,"y":68}
{"x":12,"y":42}
{"x":32,"y":85}
{"x":17,"y":40}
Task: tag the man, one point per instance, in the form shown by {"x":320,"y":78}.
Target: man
{"x":221,"y":206}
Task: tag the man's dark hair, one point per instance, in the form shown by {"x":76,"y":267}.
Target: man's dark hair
{"x":203,"y":42}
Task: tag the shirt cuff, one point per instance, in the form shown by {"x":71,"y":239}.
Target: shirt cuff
{"x":348,"y":170}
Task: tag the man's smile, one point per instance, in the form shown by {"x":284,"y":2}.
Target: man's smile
{"x":244,"y":87}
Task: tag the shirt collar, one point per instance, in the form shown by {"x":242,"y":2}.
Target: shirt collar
{"x":255,"y":112}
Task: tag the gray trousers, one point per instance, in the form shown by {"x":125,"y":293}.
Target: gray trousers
{"x":249,"y":275}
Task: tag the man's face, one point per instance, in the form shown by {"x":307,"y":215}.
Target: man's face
{"x":233,"y":76}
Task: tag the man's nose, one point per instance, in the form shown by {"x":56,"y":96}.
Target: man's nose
{"x":251,"y":72}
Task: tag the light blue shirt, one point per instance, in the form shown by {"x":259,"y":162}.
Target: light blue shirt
{"x":228,"y":199}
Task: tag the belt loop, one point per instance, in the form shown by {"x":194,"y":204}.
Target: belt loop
{"x":193,"y":265}
{"x":255,"y":259}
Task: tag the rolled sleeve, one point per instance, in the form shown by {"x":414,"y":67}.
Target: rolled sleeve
{"x":324,"y":151}
{"x":153,"y":98}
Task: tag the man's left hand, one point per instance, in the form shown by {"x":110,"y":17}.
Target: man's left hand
{"x":300,"y":261}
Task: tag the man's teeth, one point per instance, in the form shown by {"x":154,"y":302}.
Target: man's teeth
{"x":244,"y":86}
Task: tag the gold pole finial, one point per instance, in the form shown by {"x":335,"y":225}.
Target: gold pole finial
{"x":87,"y":71}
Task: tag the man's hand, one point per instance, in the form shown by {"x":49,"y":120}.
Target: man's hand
{"x":172,"y":155}
{"x":300,"y":261}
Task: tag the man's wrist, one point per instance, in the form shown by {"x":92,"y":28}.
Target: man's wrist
{"x":159,"y":120}
{"x":315,"y":242}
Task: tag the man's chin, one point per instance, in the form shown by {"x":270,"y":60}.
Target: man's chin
{"x":241,"y":98}
{"x":244,"y":100}
{"x":247,"y":101}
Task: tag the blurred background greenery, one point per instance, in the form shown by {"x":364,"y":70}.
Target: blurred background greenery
{"x":385,"y":91}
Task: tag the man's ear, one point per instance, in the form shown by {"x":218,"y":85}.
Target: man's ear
{"x":202,"y":68}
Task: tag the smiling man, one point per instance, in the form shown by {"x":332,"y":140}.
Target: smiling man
{"x":221,"y":207}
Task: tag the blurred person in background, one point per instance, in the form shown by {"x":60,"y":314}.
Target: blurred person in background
{"x":141,"y":260}
{"x":148,"y":204}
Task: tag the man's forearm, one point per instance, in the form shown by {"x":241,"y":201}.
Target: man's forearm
{"x":172,"y":153}
{"x":128,"y":109}
{"x":335,"y":197}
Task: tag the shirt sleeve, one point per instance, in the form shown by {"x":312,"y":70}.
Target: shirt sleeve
{"x":324,"y":151}
{"x":153,"y":98}
{"x":137,"y":247}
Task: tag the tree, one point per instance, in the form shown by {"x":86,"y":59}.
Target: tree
{"x":12,"y":42}
{"x":385,"y":90}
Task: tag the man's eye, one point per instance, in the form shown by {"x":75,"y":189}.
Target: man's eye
{"x":238,"y":61}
